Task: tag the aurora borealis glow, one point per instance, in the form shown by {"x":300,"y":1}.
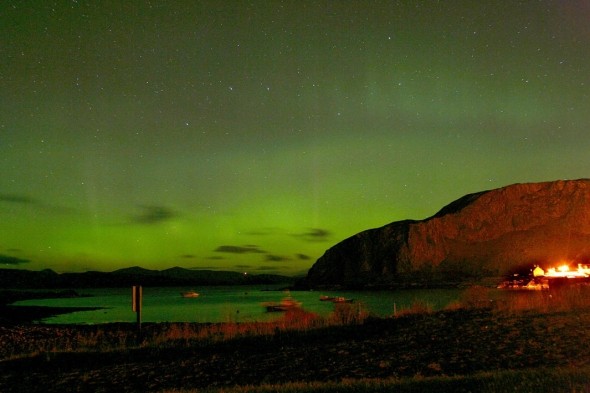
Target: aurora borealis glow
{"x":255,"y":135}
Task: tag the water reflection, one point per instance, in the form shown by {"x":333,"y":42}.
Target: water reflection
{"x":224,"y":304}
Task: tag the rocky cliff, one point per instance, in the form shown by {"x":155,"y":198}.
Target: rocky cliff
{"x":488,"y":233}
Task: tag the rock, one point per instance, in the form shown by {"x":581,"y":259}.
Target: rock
{"x":488,"y":233}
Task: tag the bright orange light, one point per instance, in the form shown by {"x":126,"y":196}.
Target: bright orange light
{"x":564,"y":271}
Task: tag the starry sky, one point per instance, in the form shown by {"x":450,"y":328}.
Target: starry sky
{"x":254,"y":135}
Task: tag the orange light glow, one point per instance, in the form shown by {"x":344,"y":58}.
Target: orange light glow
{"x":564,"y":271}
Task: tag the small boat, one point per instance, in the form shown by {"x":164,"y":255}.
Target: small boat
{"x":189,"y":294}
{"x":335,"y":299}
{"x":284,"y":305}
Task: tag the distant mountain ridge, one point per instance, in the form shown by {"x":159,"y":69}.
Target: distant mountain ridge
{"x":487,"y":233}
{"x":176,"y":276}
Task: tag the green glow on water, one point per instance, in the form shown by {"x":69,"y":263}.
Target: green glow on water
{"x":225,"y":304}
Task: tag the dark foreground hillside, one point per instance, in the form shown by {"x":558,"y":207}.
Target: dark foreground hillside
{"x":460,"y":342}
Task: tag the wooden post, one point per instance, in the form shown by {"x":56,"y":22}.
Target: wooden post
{"x":136,"y":300}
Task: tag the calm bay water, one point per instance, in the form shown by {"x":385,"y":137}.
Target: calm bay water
{"x":223,"y":304}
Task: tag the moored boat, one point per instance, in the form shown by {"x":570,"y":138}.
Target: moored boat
{"x":335,"y":299}
{"x":284,"y":305}
{"x":189,"y":294}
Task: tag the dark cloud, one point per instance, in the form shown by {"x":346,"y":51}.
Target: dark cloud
{"x":8,"y":260}
{"x":15,"y":198}
{"x":25,"y":200}
{"x":188,"y":256}
{"x":303,"y":257}
{"x":276,"y":258}
{"x":154,"y":215}
{"x":314,"y":235}
{"x":240,"y":249}
{"x":242,"y":267}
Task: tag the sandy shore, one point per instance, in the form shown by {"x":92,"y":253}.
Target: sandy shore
{"x":444,"y":343}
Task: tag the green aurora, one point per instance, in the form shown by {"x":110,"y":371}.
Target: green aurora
{"x":255,"y":135}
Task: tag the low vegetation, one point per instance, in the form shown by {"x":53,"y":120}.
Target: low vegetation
{"x":535,"y":380}
{"x":487,"y":341}
{"x":26,"y":341}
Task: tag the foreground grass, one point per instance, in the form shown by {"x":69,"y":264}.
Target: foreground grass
{"x":22,"y":341}
{"x":27,"y":341}
{"x":533,"y":380}
{"x":529,"y":342}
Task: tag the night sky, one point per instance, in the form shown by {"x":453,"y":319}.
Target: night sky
{"x":252,"y":136}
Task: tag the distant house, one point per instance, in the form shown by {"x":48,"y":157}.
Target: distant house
{"x":538,"y":272}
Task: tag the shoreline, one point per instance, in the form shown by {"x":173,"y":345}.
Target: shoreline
{"x":14,"y":315}
{"x":420,"y":345}
{"x":11,"y":314}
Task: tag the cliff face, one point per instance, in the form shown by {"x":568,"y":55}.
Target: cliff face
{"x":487,"y":233}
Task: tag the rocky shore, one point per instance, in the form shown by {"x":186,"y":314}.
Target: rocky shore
{"x":459,"y":342}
